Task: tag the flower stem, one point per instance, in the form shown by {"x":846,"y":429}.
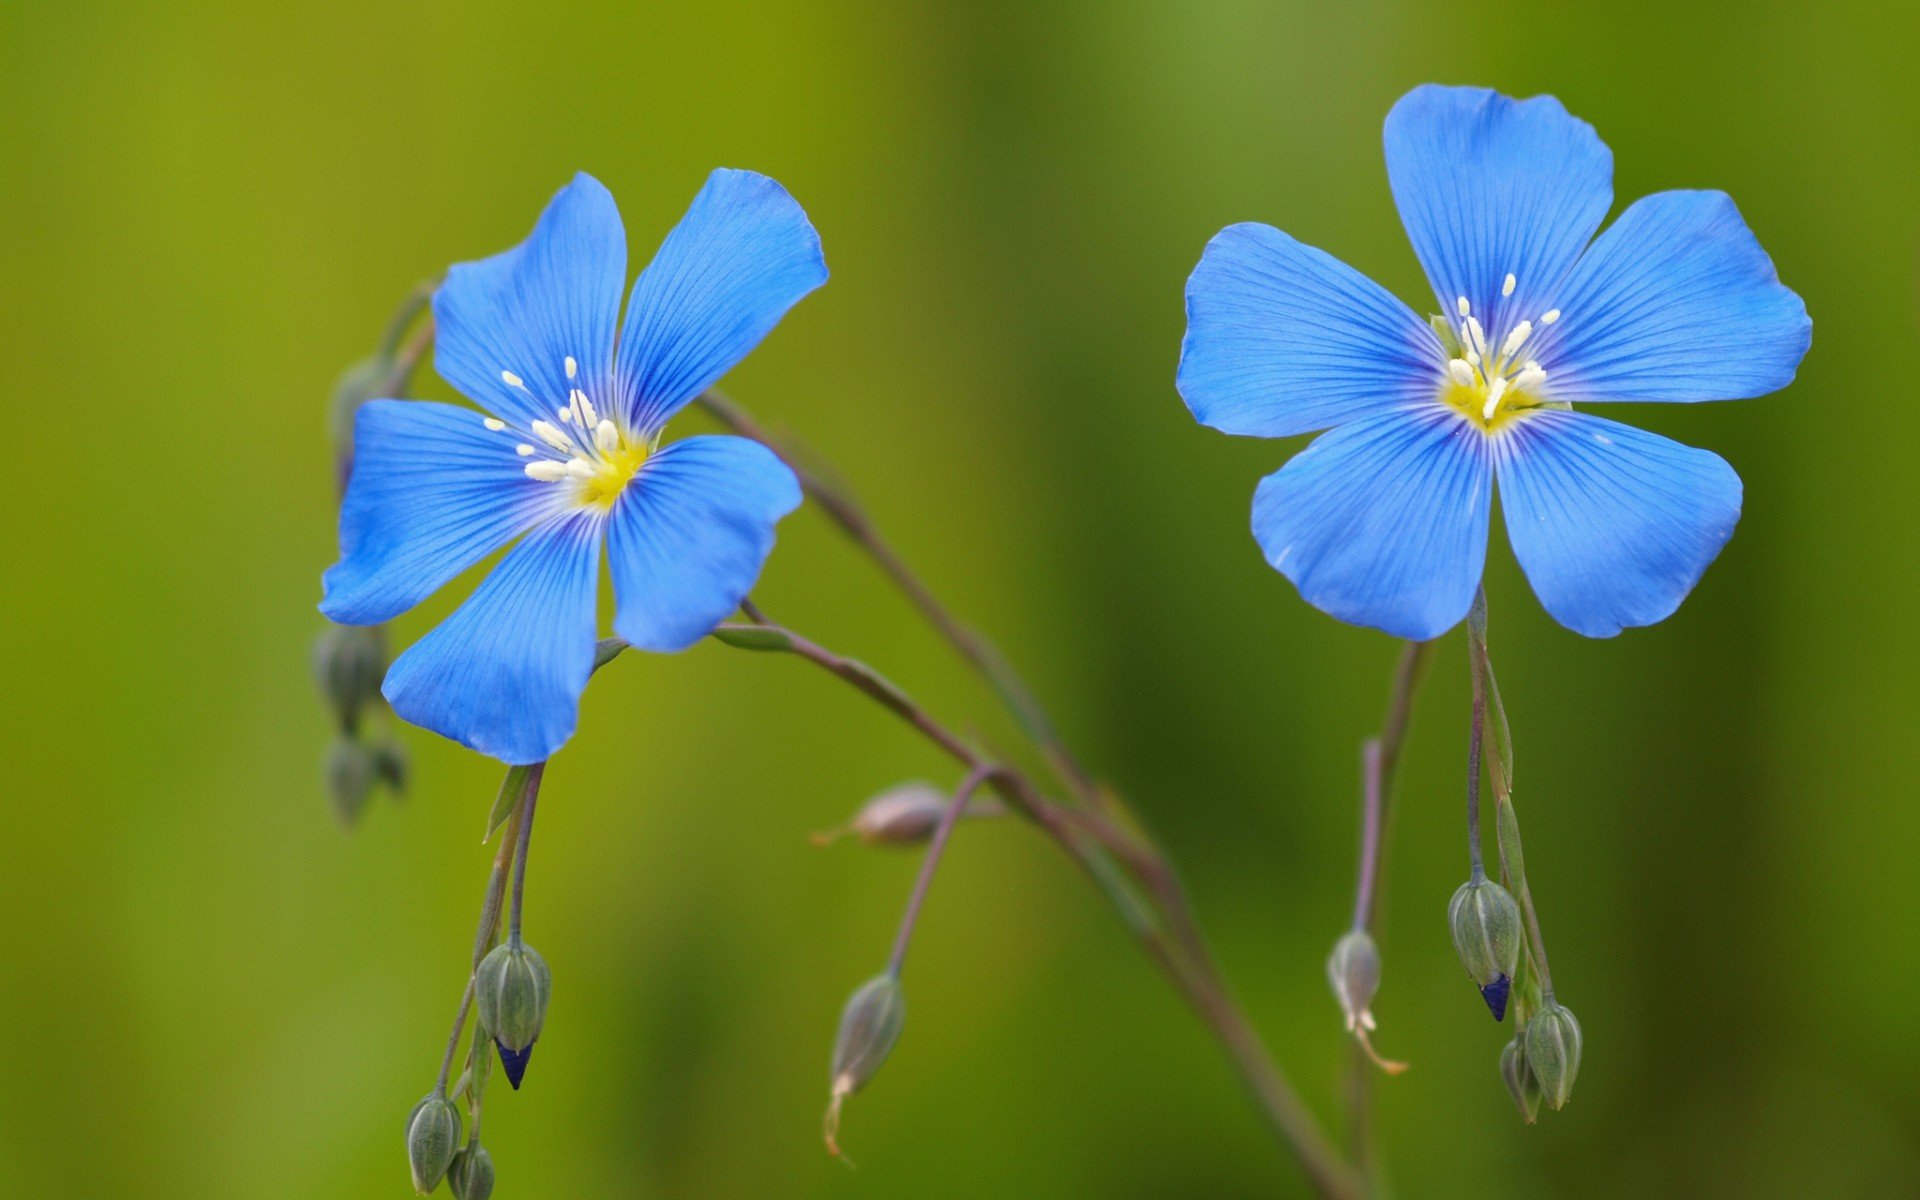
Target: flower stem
{"x":489,"y":925}
{"x":1380,"y":758}
{"x":937,"y":847}
{"x":526,"y":840}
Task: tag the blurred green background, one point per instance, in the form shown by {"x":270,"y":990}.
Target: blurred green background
{"x":211,"y":991}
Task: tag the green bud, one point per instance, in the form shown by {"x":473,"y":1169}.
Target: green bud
{"x":1354,"y":971}
{"x":1486,"y":931}
{"x":433,"y":1134}
{"x":471,"y":1175}
{"x":349,"y":662}
{"x":511,"y":988}
{"x":869,"y":1026}
{"x":1553,"y":1052}
{"x":1521,"y":1084}
{"x":352,"y":771}
{"x":390,"y":765}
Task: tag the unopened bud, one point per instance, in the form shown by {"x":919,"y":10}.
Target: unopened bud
{"x":433,"y":1134}
{"x":906,"y":815}
{"x":349,"y":662}
{"x":471,"y":1175}
{"x":390,"y":765}
{"x":352,"y":771}
{"x":1521,"y":1084}
{"x":1553,"y":1052}
{"x":1486,"y":931}
{"x":869,"y":1026}
{"x":511,"y":989}
{"x":1354,"y":971}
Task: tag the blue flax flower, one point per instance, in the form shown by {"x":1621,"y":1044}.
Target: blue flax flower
{"x":566,"y":457}
{"x":1383,"y":520}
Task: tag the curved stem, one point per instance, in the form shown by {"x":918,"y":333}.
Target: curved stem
{"x":526,"y":840}
{"x":937,"y":847}
{"x":1380,"y":759}
{"x":483,"y":936}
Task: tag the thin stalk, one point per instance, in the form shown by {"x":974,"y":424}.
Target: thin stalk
{"x":1474,"y":731}
{"x":483,"y":936}
{"x":1380,"y":759}
{"x":928,"y":865}
{"x":526,"y":841}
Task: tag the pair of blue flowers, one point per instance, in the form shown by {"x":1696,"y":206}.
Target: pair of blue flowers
{"x":1383,"y":520}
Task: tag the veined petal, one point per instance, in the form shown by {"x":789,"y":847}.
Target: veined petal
{"x":524,"y":312}
{"x":503,"y":674}
{"x":1675,"y":301}
{"x":1612,"y":525}
{"x":1383,"y":522}
{"x":741,"y":257}
{"x":689,"y":536}
{"x":1285,"y":339}
{"x":1489,"y":187}
{"x":433,"y":492}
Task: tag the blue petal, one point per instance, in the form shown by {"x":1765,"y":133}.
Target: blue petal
{"x":1383,"y":522}
{"x":503,"y":674}
{"x":433,"y":492}
{"x":554,"y":296}
{"x":1613,"y":525}
{"x":1488,"y":186}
{"x":689,"y":537}
{"x":1285,"y":339}
{"x":1676,"y":301}
{"x":741,"y":257}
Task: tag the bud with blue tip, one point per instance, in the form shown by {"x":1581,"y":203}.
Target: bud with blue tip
{"x":869,"y":1026}
{"x":511,"y":989}
{"x":1553,"y":1051}
{"x":1485,"y":922}
{"x":433,"y":1136}
{"x":471,"y":1175}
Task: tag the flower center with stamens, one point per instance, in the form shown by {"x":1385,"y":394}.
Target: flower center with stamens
{"x":580,"y":448}
{"x":1493,"y":384}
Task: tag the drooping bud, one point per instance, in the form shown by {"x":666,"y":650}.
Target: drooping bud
{"x":1553,"y":1052}
{"x":433,"y":1135}
{"x":511,"y":989}
{"x":390,"y":765}
{"x":1486,"y":931}
{"x":352,"y":771}
{"x":869,"y":1026}
{"x":349,"y":662}
{"x":471,"y":1175}
{"x":905,"y":815}
{"x":1354,"y":971}
{"x":1521,"y":1084}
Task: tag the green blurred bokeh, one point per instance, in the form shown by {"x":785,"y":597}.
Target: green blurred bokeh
{"x":210,"y":991}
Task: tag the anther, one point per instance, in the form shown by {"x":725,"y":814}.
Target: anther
{"x":552,"y":436}
{"x":547,"y":471}
{"x":1550,"y":316}
{"x":1464,"y":308}
{"x":1462,"y":372}
{"x":1506,"y":289}
{"x":573,"y":368}
{"x":494,"y":423}
{"x":606,"y":437}
{"x":1529,"y":378}
{"x":512,"y":380}
{"x":1518,"y":337}
{"x":1495,"y":390}
{"x":524,"y":450}
{"x":1478,"y":335}
{"x":580,"y":468}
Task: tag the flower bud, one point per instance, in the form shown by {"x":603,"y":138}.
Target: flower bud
{"x":1486,"y":931}
{"x":1354,"y":971}
{"x":511,"y":989}
{"x":349,"y":661}
{"x":869,"y":1026}
{"x":1553,"y":1052}
{"x":433,"y":1134}
{"x":906,"y":815}
{"x":390,"y":766}
{"x":471,"y":1175}
{"x":352,"y":771}
{"x":1521,"y":1084}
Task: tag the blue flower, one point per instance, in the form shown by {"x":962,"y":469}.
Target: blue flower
{"x":567,"y":456}
{"x":1383,"y":520}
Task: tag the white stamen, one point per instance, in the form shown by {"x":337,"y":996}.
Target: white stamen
{"x":1530,"y":378}
{"x":1494,"y":391}
{"x":579,"y":468}
{"x":524,"y":450}
{"x":573,"y":368}
{"x":512,"y":380}
{"x":1517,"y":338}
{"x":1478,"y":335}
{"x":547,"y":471}
{"x":578,"y":399}
{"x":566,"y":414}
{"x":1506,"y":289}
{"x":1462,"y":372}
{"x":1473,"y":358}
{"x":606,"y":437}
{"x":1550,"y":316}
{"x":1462,"y":305}
{"x":552,"y":436}
{"x":494,"y":423}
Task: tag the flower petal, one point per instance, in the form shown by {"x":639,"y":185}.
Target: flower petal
{"x":689,"y":537}
{"x":433,"y":492}
{"x":1676,"y":301}
{"x":1285,"y":339}
{"x":1383,"y":522}
{"x":503,"y":674}
{"x":1489,"y":187}
{"x":526,"y":311}
{"x":1613,"y":525}
{"x":741,"y":257}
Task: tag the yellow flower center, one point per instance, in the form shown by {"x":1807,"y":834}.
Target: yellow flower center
{"x":1490,"y":384}
{"x":579,"y":448}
